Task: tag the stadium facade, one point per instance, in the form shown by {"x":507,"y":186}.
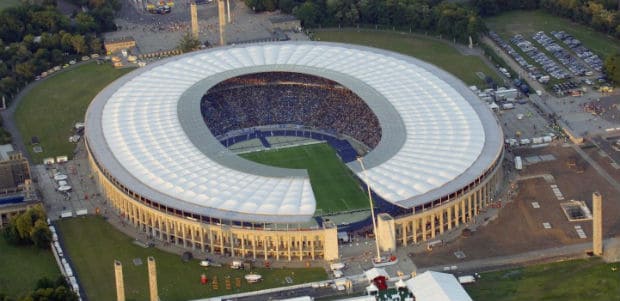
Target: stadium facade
{"x":438,"y":162}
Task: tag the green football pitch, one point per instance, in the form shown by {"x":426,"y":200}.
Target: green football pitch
{"x":335,"y":188}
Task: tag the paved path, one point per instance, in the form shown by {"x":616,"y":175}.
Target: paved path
{"x":597,"y":167}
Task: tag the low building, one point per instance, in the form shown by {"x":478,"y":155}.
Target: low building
{"x":285,"y":22}
{"x":113,"y":45}
{"x":16,"y":192}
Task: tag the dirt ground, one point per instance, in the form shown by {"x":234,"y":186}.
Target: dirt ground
{"x":519,"y":227}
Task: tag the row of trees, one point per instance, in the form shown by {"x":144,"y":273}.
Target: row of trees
{"x":452,"y":20}
{"x":47,"y":290}
{"x":602,"y":15}
{"x":612,"y":67}
{"x":35,"y":38}
{"x":29,"y":228}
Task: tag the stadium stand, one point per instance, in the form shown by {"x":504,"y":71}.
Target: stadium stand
{"x":289,"y":98}
{"x":343,"y":148}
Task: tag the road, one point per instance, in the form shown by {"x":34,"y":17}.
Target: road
{"x":597,"y":167}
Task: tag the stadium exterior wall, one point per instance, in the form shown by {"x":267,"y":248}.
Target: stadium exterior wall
{"x":298,"y":244}
{"x":462,"y":209}
{"x":294,"y":244}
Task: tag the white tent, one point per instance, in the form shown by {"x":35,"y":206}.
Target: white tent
{"x":376,"y":272}
{"x":360,"y":298}
{"x":372,"y":289}
{"x":435,"y":286}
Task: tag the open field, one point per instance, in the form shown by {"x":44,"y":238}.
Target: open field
{"x":334,"y":186}
{"x":435,"y":52}
{"x":529,"y":22}
{"x":51,"y":109}
{"x":8,"y":3}
{"x":21,"y":267}
{"x":93,"y":245}
{"x":572,"y":280}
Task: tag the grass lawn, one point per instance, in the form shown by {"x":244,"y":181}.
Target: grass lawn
{"x":529,"y":22}
{"x":51,"y":109}
{"x":335,"y":188}
{"x":438,"y":53}
{"x":93,"y":245}
{"x":576,"y":280}
{"x":8,"y":3}
{"x":21,"y":267}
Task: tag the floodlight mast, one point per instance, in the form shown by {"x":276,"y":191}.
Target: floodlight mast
{"x":372,"y":210}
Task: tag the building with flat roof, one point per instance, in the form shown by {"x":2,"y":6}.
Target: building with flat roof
{"x":16,"y":191}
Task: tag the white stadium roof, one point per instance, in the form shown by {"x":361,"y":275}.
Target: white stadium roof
{"x":147,"y":131}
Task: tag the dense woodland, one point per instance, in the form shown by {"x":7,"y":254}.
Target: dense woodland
{"x":36,"y":37}
{"x":452,"y":20}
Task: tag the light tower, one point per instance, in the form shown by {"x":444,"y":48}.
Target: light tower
{"x":597,"y":224}
{"x":120,"y":283}
{"x":194,"y":17}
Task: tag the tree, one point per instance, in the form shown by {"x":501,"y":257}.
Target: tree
{"x":23,"y":225}
{"x":85,"y":23}
{"x":612,"y":67}
{"x":66,"y":41}
{"x":40,"y":234}
{"x":308,"y":14}
{"x":188,"y":43}
{"x":95,"y":45}
{"x":79,"y":44}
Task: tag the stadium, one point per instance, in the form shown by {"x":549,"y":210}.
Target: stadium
{"x":159,"y":142}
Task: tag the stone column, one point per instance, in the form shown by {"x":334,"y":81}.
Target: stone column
{"x":152,"y":279}
{"x":597,"y":224}
{"x":120,"y":283}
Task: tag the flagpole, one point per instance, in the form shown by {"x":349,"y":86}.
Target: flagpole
{"x":372,"y":210}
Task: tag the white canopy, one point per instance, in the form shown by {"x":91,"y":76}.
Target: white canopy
{"x":372,"y":288}
{"x":436,"y":286}
{"x":373,"y":273}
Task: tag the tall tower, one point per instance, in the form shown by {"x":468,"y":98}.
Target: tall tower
{"x":228,"y":11}
{"x":120,"y":283}
{"x":152,"y":279}
{"x":221,"y":12}
{"x":597,"y":224}
{"x":194,"y":16}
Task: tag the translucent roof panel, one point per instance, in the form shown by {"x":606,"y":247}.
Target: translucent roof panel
{"x":134,"y":130}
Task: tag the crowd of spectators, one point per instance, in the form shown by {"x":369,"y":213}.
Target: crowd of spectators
{"x":289,"y":98}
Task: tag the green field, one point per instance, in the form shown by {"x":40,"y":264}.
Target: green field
{"x":529,"y":22}
{"x":51,"y":109}
{"x":8,"y":3}
{"x":21,"y":267}
{"x":335,"y":188}
{"x":575,"y":280}
{"x":440,"y":54}
{"x":94,"y":244}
